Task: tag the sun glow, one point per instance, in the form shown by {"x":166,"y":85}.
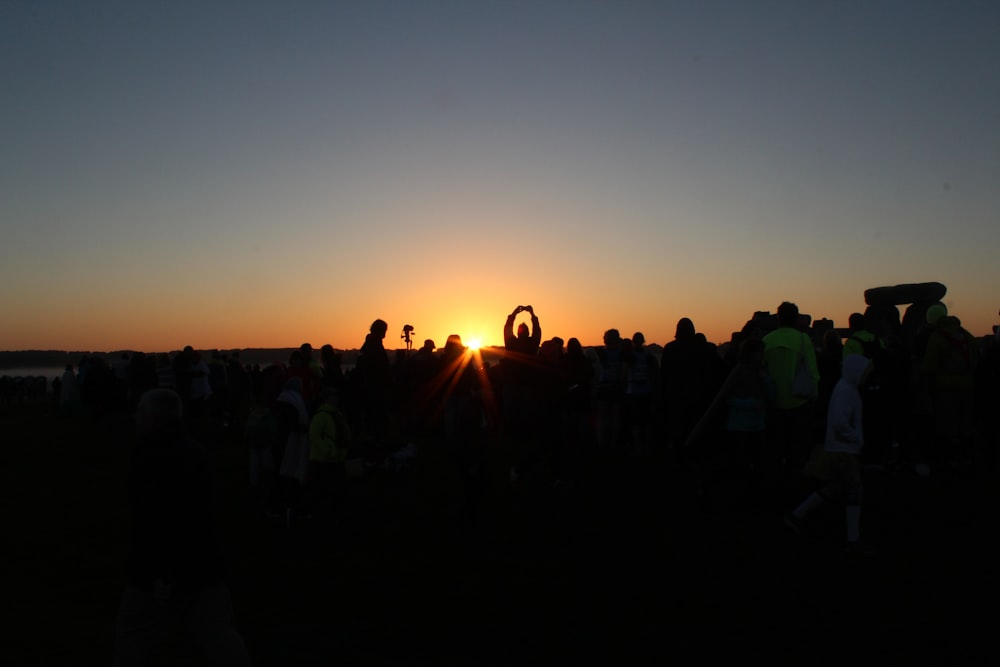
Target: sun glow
{"x":474,"y":344}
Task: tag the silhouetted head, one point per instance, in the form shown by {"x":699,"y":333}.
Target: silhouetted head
{"x":856,"y":322}
{"x":788,"y":314}
{"x":158,"y":409}
{"x":551,"y":350}
{"x":522,"y":330}
{"x":935,"y":313}
{"x":638,"y":339}
{"x":832,"y":342}
{"x":573,"y":346}
{"x":428,"y":345}
{"x":379,"y":327}
{"x":612,"y":338}
{"x":453,"y":345}
{"x":685,"y":329}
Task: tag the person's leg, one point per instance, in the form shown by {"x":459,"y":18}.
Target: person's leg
{"x":211,"y":625}
{"x":852,"y":512}
{"x":141,"y":628}
{"x":811,"y":502}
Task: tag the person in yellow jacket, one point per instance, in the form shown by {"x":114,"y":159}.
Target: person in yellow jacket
{"x":329,"y":443}
{"x":949,"y":365}
{"x":789,"y":419}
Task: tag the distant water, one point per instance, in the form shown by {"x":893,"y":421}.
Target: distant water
{"x":47,"y":372}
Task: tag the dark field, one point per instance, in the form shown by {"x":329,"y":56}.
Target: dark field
{"x":634,"y":566}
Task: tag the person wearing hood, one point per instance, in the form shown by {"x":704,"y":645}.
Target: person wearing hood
{"x":836,"y":465}
{"x":293,"y":426}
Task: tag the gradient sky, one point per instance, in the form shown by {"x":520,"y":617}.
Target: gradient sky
{"x":261,"y":174}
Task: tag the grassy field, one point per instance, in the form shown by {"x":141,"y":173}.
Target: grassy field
{"x":414,"y":573}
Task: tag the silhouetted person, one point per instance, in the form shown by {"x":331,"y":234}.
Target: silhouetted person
{"x":519,"y":393}
{"x":552,"y":386}
{"x":333,"y":371}
{"x":200,"y":391}
{"x":876,"y":390}
{"x":329,"y":445}
{"x":375,"y":378}
{"x":578,"y":371}
{"x":689,"y":377}
{"x":519,"y":358}
{"x":69,"y":393}
{"x":828,"y":363}
{"x":949,"y":364}
{"x":183,"y":364}
{"x":790,"y":420}
{"x":293,"y":428}
{"x":300,"y":365}
{"x":417,"y":392}
{"x":260,"y":434}
{"x":642,"y":374}
{"x":239,"y":390}
{"x":610,"y":393}
{"x":743,"y":399}
{"x":460,"y":391}
{"x":166,"y":376}
{"x":176,"y":580}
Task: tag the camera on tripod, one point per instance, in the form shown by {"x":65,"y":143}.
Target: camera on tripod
{"x":406,"y":335}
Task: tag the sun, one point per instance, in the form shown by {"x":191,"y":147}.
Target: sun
{"x":473,"y":344}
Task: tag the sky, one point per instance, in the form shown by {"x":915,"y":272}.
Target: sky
{"x":263,"y":174}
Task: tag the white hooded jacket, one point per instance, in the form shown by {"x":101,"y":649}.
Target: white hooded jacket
{"x":843,"y":422}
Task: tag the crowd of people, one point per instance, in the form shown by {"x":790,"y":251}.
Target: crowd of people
{"x":784,"y":401}
{"x":560,"y":406}
{"x":563,"y":410}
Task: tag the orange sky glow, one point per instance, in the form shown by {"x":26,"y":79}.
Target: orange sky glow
{"x":257,"y":175}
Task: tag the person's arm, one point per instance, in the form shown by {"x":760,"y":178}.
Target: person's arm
{"x":842,"y":418}
{"x":536,"y":328}
{"x":508,"y":327}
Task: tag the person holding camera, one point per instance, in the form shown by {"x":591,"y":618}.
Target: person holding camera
{"x":519,"y":396}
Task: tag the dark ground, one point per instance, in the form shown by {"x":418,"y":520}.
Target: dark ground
{"x":637,"y":568}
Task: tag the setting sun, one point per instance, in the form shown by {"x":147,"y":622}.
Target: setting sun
{"x":474,"y":344}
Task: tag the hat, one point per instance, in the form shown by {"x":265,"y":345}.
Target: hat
{"x":936,"y":312}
